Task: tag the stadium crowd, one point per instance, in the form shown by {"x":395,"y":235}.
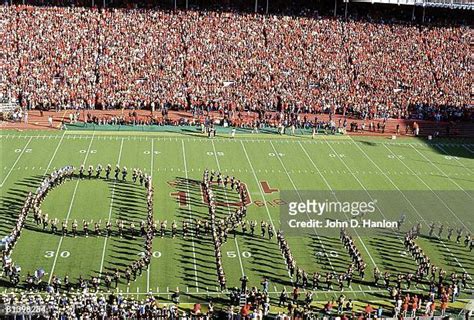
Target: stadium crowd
{"x":61,"y":57}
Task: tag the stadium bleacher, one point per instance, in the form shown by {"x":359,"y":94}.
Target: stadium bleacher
{"x":121,"y":58}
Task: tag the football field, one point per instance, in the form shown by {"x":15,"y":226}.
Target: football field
{"x":443,"y":170}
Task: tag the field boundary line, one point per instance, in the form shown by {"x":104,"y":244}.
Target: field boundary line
{"x":68,"y":214}
{"x":16,"y":161}
{"x":264,"y":200}
{"x":190,"y":215}
{"x":301,"y":199}
{"x":335,"y":197}
{"x":110,"y":212}
{"x":228,"y":210}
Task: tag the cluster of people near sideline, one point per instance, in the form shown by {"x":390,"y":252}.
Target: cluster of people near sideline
{"x":71,"y":57}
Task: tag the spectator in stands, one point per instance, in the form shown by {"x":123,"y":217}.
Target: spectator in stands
{"x":223,"y":61}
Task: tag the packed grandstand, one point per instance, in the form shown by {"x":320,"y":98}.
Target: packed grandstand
{"x":233,"y":63}
{"x":83,"y":57}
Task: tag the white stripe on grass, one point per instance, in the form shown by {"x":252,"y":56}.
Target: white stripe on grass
{"x":16,"y":161}
{"x":444,"y":174}
{"x":429,"y":188}
{"x":190,"y":215}
{"x":360,"y":183}
{"x":455,"y":158}
{"x":401,"y":192}
{"x":68,"y":214}
{"x":151,"y":174}
{"x":418,"y":213}
{"x":228,"y":210}
{"x":54,"y":154}
{"x":110,"y":211}
{"x":437,"y":196}
{"x":301,"y":199}
{"x":263,"y":197}
{"x":335,"y":197}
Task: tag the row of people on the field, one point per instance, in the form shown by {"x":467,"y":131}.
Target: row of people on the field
{"x":148,"y":232}
{"x":119,"y":173}
{"x":423,"y":262}
{"x":87,"y":228}
{"x":220,"y":229}
{"x":302,"y":278}
{"x":209,"y":194}
{"x":286,"y":252}
{"x":8,"y":243}
{"x":437,"y":230}
{"x":354,"y":253}
{"x":225,"y":181}
{"x":52,"y":180}
{"x":121,"y":228}
{"x":468,"y":239}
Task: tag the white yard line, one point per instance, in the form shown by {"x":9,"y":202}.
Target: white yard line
{"x":442,"y":172}
{"x":190,"y":215}
{"x":417,"y":212}
{"x":455,"y":158}
{"x":151,"y":174}
{"x":228,"y":210}
{"x":361,"y":184}
{"x":335,"y":197}
{"x":54,"y":154}
{"x":110,"y":212}
{"x":401,"y":192}
{"x":263,"y":197}
{"x":429,"y":188}
{"x":16,"y":161}
{"x":301,"y":199}
{"x":68,"y":214}
{"x":437,"y":196}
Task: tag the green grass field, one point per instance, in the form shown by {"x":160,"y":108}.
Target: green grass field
{"x":177,"y":162}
